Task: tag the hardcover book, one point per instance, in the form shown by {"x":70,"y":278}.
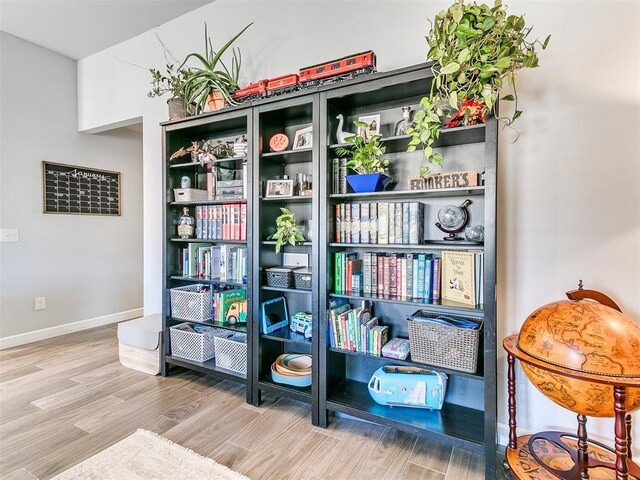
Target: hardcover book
{"x":383,"y":223}
{"x":355,"y":223}
{"x":392,"y":215}
{"x":401,"y":223}
{"x":346,"y":222}
{"x":458,"y":277}
{"x":364,"y":223}
{"x":373,"y":223}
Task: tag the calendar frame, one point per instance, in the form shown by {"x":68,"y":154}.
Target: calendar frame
{"x":117,"y":176}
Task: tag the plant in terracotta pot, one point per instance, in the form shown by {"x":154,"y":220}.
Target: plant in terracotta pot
{"x":366,"y":161}
{"x":172,"y":81}
{"x":476,"y":51}
{"x":287,"y":230}
{"x":211,"y":82}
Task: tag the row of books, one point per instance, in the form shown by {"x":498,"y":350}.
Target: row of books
{"x":355,"y":330}
{"x":339,"y":175}
{"x":222,"y":222}
{"x":457,"y":276}
{"x":224,"y":262}
{"x":380,"y":223}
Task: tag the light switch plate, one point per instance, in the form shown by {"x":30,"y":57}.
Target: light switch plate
{"x":9,"y":235}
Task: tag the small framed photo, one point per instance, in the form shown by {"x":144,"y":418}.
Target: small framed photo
{"x":374,"y":125}
{"x":279,"y":188}
{"x":303,"y":138}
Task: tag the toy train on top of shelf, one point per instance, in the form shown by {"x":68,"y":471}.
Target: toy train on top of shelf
{"x":326,"y":72}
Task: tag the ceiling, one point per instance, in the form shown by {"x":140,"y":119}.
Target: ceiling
{"x":78,"y":28}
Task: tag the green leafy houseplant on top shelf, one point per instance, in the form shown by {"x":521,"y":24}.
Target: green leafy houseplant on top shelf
{"x":287,"y":230}
{"x":365,"y":152}
{"x":476,"y":50}
{"x":211,"y":82}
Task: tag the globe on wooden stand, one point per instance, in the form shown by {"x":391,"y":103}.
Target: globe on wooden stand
{"x":582,"y":354}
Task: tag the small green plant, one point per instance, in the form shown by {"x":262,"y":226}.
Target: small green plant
{"x":172,"y":81}
{"x":212,"y":74}
{"x":366,"y":152}
{"x":476,"y":50}
{"x":287,"y":232}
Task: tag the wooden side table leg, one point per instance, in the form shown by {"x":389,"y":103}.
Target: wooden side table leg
{"x":629,"y":442}
{"x":621,"y":448}
{"x":511,"y":388}
{"x":583,"y":454}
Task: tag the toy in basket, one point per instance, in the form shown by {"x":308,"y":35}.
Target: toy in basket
{"x":408,"y":387}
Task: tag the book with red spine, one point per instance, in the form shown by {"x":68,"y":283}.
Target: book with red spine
{"x":380,"y":275}
{"x":393,"y":291}
{"x":386,"y":276}
{"x":338,"y":223}
{"x":225,"y":222}
{"x":243,"y":222}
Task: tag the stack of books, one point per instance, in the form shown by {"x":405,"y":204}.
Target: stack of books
{"x":380,"y":223}
{"x":226,"y":263}
{"x":354,"y":329}
{"x":222,"y":222}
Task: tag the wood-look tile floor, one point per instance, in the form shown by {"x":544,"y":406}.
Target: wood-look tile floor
{"x":65,"y":399}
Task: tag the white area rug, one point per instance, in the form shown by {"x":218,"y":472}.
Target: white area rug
{"x":145,"y":455}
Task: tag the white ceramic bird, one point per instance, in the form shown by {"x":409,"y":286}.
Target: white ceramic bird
{"x":341,"y":135}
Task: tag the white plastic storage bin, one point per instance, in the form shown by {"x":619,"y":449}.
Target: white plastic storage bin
{"x":190,"y":195}
{"x":193,"y":302}
{"x":195,"y":346}
{"x":231,"y":352}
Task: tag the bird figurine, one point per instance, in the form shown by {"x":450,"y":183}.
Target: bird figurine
{"x":341,"y":135}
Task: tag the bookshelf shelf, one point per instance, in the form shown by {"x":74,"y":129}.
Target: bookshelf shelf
{"x":403,"y":194}
{"x":287,"y":290}
{"x":408,"y":362}
{"x":215,"y":281}
{"x":208,"y":367}
{"x":213,"y":242}
{"x":455,"y":424}
{"x":294,"y":199}
{"x":219,"y":160}
{"x":302,"y":394}
{"x":396,"y":246}
{"x":209,"y":202}
{"x":298,"y":244}
{"x":242,"y":328}
{"x":287,"y":336}
{"x":302,"y":155}
{"x":429,"y":306}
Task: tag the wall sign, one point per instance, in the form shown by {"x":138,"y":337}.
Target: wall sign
{"x":77,"y":190}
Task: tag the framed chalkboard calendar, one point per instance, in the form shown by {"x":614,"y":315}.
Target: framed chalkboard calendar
{"x":74,"y":190}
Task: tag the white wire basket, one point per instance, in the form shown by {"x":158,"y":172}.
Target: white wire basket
{"x":231,"y":352}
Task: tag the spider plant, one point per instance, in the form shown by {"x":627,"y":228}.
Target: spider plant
{"x":212,"y":74}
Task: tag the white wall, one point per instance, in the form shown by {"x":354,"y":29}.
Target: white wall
{"x":87,"y":267}
{"x":564,"y":185}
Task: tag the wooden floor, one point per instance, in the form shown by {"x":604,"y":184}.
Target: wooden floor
{"x":66,"y":399}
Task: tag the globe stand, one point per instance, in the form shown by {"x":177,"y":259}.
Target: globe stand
{"x":559,"y":455}
{"x":453,"y":230}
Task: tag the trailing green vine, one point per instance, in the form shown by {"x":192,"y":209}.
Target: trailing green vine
{"x":475,"y":49}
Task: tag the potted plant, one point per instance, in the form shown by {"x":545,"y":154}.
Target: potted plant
{"x":212,"y":82}
{"x":287,"y":230}
{"x":366,"y":160}
{"x":172,"y":82}
{"x":476,"y":51}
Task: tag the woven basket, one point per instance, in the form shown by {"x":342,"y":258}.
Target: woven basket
{"x":303,"y":278}
{"x":198,"y":347}
{"x":442,"y":346}
{"x":231,"y":352}
{"x":190,"y":195}
{"x":280,"y":277}
{"x":191,"y":303}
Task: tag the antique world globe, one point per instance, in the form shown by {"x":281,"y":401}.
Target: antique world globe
{"x":451,"y":216}
{"x":586,"y":337}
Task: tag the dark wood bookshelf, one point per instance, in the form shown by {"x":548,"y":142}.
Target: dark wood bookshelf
{"x":298,"y":244}
{"x":469,"y":416}
{"x":203,"y":240}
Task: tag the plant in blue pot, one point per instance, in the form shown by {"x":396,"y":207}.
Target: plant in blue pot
{"x":365,"y":152}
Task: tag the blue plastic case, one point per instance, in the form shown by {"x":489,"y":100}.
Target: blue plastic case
{"x":408,"y":387}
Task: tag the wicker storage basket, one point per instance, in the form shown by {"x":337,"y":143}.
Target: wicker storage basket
{"x":190,"y":195}
{"x":231,"y":352}
{"x":303,"y":278}
{"x":198,"y":347}
{"x":191,"y":302}
{"x":280,"y":277}
{"x":444,"y":346}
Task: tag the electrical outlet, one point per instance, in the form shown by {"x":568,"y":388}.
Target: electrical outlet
{"x":9,"y":235}
{"x":40,"y":303}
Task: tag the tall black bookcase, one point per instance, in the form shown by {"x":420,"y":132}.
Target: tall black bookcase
{"x":468,"y":418}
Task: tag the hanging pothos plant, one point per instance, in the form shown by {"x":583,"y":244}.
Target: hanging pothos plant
{"x":287,"y":230}
{"x":475,"y":49}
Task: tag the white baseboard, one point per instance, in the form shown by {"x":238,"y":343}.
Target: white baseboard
{"x":29,"y":337}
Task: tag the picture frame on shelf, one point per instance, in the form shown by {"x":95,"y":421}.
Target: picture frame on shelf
{"x":279,"y":188}
{"x":303,"y":138}
{"x":374,"y":125}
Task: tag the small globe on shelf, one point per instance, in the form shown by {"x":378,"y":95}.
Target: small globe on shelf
{"x":453,"y":220}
